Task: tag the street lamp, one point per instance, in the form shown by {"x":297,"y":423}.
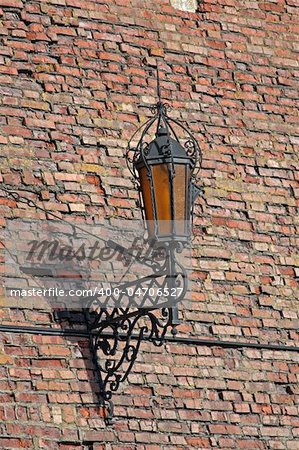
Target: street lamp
{"x":164,"y":168}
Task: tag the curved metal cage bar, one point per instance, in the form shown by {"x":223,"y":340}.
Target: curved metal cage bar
{"x":161,"y":118}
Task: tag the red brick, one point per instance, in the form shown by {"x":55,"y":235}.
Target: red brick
{"x":100,"y":436}
{"x":39,"y":123}
{"x":12,"y":3}
{"x":76,"y":79}
{"x":11,"y":443}
{"x":17,"y":131}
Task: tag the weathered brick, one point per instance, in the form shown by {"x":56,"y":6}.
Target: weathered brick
{"x":76,"y":77}
{"x":39,"y":123}
{"x":12,"y":3}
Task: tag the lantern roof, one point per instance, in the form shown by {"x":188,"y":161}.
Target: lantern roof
{"x":162,"y":148}
{"x":171,"y":135}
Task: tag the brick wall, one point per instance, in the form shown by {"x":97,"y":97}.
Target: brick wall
{"x":76,"y":77}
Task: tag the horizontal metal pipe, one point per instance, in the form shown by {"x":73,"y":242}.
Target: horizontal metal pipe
{"x":169,"y":339}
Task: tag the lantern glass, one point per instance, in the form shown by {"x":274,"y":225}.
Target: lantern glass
{"x":147,"y":200}
{"x":180,"y":198}
{"x":165,"y":182}
{"x":162,"y":194}
{"x":166,"y":200}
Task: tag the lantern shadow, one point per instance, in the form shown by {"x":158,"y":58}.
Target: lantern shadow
{"x":74,"y":328}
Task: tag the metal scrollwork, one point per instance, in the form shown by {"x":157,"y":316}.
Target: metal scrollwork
{"x":116,"y":343}
{"x":117,"y":332}
{"x":160,"y":108}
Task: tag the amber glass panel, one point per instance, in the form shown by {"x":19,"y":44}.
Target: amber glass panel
{"x":162,"y":194}
{"x":147,"y":200}
{"x":179,"y":198}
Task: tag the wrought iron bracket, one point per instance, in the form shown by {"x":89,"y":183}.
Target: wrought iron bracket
{"x":116,"y":333}
{"x":115,"y":343}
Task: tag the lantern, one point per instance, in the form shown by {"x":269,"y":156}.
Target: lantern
{"x":164,"y":171}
